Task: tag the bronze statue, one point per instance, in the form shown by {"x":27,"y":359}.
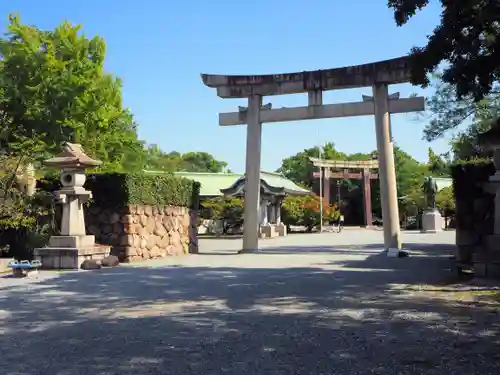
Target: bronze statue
{"x":430,"y":190}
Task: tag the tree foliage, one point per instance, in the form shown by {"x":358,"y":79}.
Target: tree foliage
{"x":467,"y":40}
{"x":409,"y":172}
{"x":305,"y":211}
{"x":24,"y":219}
{"x":229,"y":210}
{"x":225,"y":207}
{"x":189,"y":162}
{"x":438,"y":165}
{"x":53,"y":88}
{"x":53,"y":84}
{"x":410,"y":175}
{"x":300,"y":169}
{"x":445,"y":201}
{"x":464,"y":118}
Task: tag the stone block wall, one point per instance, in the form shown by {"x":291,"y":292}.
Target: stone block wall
{"x":140,"y":232}
{"x":475,"y":223}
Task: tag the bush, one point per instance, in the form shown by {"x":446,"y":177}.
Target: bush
{"x":25,"y":224}
{"x":445,"y":201}
{"x":305,"y":211}
{"x":228,"y":209}
{"x":24,"y":220}
{"x":112,"y":190}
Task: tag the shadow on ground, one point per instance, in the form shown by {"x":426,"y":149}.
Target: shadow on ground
{"x":340,"y":316}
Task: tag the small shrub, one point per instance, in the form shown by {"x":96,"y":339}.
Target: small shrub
{"x":25,"y":224}
{"x":228,"y":209}
{"x":305,"y":211}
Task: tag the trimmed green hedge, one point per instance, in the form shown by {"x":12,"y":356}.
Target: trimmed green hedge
{"x":121,"y":189}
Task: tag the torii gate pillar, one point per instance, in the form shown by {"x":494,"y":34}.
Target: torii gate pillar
{"x":252,"y":175}
{"x":388,"y":187}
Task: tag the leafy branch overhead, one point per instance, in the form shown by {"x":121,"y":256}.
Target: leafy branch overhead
{"x":466,"y":39}
{"x":463,"y":118}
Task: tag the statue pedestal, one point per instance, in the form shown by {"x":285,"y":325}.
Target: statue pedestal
{"x":268,"y":231}
{"x":281,"y":229}
{"x":432,"y":221}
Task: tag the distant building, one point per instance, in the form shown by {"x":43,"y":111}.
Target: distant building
{"x":273,"y":189}
{"x":218,"y":184}
{"x":443,"y":182}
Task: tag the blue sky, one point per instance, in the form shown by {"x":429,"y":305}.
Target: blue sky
{"x":159,"y":49}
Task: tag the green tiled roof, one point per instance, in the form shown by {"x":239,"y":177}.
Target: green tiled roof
{"x":277,"y":180}
{"x":212,"y":183}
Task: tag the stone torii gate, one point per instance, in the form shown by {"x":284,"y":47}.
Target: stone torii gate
{"x":365,"y":176}
{"x":254,"y":87}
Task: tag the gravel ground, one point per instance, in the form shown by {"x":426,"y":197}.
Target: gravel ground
{"x":307,"y":304}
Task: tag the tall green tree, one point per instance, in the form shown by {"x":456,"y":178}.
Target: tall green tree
{"x":189,"y":162}
{"x":299,"y":167}
{"x":438,"y":165}
{"x":53,"y":83}
{"x":202,"y":162}
{"x":160,"y":160}
{"x":409,"y":172}
{"x":467,"y":39}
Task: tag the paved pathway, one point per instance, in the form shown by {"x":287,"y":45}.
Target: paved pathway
{"x":308,"y":304}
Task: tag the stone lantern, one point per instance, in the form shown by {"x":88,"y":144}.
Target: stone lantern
{"x":69,"y":249}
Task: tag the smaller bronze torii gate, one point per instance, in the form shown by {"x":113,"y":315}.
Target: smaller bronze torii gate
{"x":365,"y":176}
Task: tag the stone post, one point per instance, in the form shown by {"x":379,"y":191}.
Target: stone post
{"x":73,"y":221}
{"x":252,"y":175}
{"x":326,"y":185}
{"x":280,"y":226}
{"x":388,"y":188}
{"x":263,"y":220}
{"x":278,"y":212}
{"x":267,"y":229}
{"x":272,"y":212}
{"x":73,"y":246}
{"x":367,"y":197}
